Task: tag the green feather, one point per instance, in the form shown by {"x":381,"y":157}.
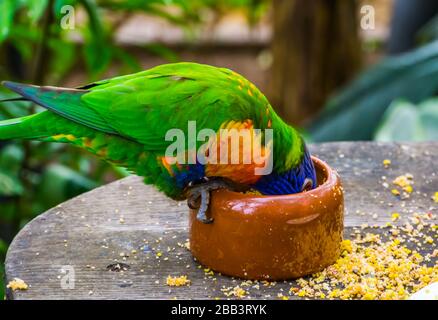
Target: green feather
{"x":63,"y":101}
{"x":125,"y":119}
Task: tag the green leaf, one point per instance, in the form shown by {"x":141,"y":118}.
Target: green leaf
{"x":129,"y":61}
{"x":400,"y":113}
{"x":57,"y":7}
{"x":122,"y":172}
{"x":7,"y":11}
{"x":97,"y":57}
{"x":2,"y":277}
{"x":3,"y":249}
{"x":429,"y":31}
{"x":60,"y":183}
{"x":36,"y":9}
{"x":9,"y":185}
{"x":11,"y":157}
{"x":429,"y":119}
{"x":355,"y":113}
{"x":12,"y":109}
{"x":63,"y":60}
{"x":97,"y":50}
{"x":163,"y":52}
{"x":404,"y":121}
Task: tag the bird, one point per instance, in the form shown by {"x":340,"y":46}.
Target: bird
{"x":125,"y":120}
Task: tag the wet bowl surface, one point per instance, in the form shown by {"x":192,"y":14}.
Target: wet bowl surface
{"x":272,"y":237}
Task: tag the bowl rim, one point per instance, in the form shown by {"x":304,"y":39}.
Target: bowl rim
{"x":331,"y":179}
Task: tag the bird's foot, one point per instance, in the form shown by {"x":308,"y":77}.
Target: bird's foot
{"x":198,"y":194}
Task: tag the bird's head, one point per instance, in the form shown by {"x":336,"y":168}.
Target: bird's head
{"x":301,"y":177}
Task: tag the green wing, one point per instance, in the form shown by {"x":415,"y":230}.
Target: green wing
{"x":144,"y":106}
{"x":63,"y":101}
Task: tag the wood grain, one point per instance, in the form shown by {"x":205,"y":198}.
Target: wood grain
{"x":97,"y":230}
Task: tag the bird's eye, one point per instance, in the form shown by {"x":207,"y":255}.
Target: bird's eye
{"x":307,"y":184}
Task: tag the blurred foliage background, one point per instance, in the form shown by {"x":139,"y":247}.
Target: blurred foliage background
{"x":321,"y":67}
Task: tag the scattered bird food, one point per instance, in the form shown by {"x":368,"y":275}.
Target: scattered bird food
{"x":17,"y":284}
{"x":177,"y":281}
{"x":386,"y":163}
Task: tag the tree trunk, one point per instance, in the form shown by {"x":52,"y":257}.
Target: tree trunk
{"x":315,"y":49}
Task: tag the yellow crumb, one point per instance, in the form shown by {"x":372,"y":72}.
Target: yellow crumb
{"x":386,"y":163}
{"x":373,"y":266}
{"x":282,"y":296}
{"x":17,"y":284}
{"x":346,"y":246}
{"x":369,"y":296}
{"x":301,"y":293}
{"x":405,"y":182}
{"x":208,"y":272}
{"x":395,"y":216}
{"x":177,"y":281}
{"x":321,"y":295}
{"x":237,"y":292}
{"x":435,"y":197}
{"x":395,"y":192}
{"x":253,"y":192}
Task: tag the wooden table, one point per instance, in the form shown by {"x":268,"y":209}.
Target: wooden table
{"x":95,"y":234}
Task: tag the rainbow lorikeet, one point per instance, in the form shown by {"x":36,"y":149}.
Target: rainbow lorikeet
{"x":125,"y":120}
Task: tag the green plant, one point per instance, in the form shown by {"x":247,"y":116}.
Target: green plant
{"x":355,"y":113}
{"x":404,"y":121}
{"x":3,"y":249}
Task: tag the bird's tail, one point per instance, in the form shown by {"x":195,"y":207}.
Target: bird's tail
{"x":17,"y":128}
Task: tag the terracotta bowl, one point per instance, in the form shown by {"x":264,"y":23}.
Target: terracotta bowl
{"x":272,"y":237}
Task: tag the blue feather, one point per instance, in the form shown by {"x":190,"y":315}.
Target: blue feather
{"x":289,"y":182}
{"x":195,"y":172}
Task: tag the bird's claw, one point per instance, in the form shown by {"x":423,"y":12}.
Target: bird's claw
{"x":199,"y":198}
{"x":203,"y":208}
{"x":198,"y":195}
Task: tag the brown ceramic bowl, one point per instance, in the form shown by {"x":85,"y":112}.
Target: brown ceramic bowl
{"x":272,"y":237}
